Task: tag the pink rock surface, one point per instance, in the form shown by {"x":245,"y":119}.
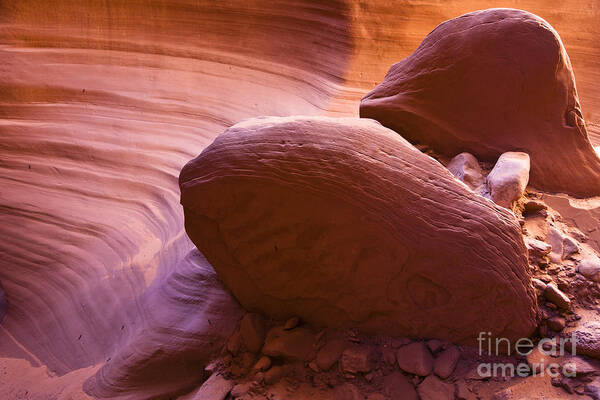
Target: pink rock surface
{"x":489,"y":82}
{"x":345,"y":224}
{"x":184,"y":321}
{"x":106,"y":101}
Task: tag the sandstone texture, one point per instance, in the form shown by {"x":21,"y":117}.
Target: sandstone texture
{"x":343,"y":223}
{"x":489,"y":82}
{"x":185,"y":320}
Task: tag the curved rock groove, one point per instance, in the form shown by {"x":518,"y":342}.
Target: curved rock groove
{"x":102,"y":103}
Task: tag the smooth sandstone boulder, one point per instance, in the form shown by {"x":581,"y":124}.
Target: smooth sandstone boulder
{"x":344,"y":223}
{"x":509,"y":177}
{"x":489,"y":82}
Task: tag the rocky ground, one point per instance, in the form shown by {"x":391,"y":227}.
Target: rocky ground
{"x":269,"y":359}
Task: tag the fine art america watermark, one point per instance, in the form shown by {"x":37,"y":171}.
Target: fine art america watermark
{"x":551,"y":348}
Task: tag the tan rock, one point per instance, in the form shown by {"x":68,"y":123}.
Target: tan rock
{"x":557,"y":297}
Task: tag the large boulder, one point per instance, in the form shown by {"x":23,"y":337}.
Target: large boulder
{"x":344,"y":223}
{"x":489,"y":82}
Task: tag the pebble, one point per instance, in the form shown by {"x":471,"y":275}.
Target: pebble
{"x":358,"y":359}
{"x":553,"y":294}
{"x":291,"y":323}
{"x":445,"y":363}
{"x":330,"y":353}
{"x":415,"y":358}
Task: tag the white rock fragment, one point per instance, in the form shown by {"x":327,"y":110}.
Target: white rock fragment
{"x":509,"y":178}
{"x":465,"y":168}
{"x":556,"y":296}
{"x":563,"y":246}
{"x":590,"y":268}
{"x":214,"y":388}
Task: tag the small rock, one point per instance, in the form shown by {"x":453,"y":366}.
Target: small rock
{"x":296,"y":344}
{"x":444,"y":364}
{"x":557,"y":297}
{"x":275,"y":374}
{"x":509,"y":178}
{"x":577,"y":366}
{"x":240,"y":389}
{"x":415,"y":358}
{"x":533,"y":206}
{"x":432,"y":388}
{"x":557,"y":323}
{"x":435,"y":345}
{"x":234,"y":343}
{"x":465,"y":168}
{"x":590,"y":268}
{"x":291,"y":323}
{"x":347,"y":391}
{"x":214,"y":388}
{"x":388,"y":356}
{"x":537,"y":248}
{"x":592,"y":389}
{"x":330,"y":353}
{"x":252,"y":329}
{"x":555,"y":238}
{"x":570,"y":247}
{"x":358,"y":359}
{"x":538,"y":284}
{"x":263,"y":364}
{"x":313,"y":366}
{"x":397,"y":386}
{"x":259,"y":377}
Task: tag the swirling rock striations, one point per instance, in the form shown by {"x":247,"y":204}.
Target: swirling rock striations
{"x":184,"y":320}
{"x":344,"y":223}
{"x":102,"y":103}
{"x":489,"y":82}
